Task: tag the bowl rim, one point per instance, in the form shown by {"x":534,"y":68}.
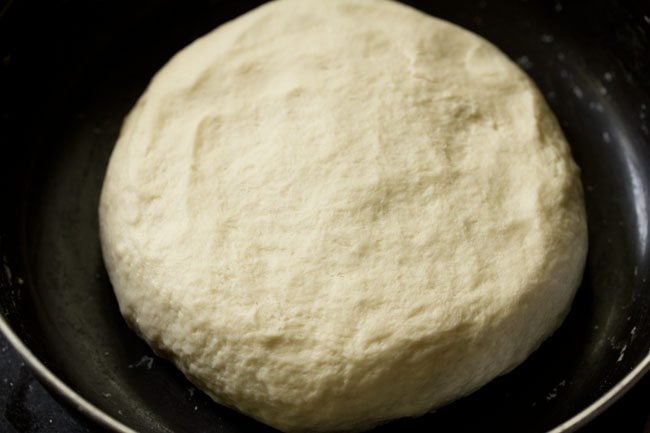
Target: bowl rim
{"x":83,"y":406}
{"x":53,"y":383}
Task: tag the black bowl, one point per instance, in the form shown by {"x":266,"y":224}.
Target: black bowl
{"x":71,"y":70}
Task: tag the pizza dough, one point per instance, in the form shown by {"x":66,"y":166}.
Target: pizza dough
{"x":329,"y":214}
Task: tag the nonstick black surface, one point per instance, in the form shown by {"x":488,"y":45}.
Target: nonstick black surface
{"x":71,"y":71}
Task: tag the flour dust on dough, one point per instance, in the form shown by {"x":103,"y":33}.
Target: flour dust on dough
{"x":329,"y":214}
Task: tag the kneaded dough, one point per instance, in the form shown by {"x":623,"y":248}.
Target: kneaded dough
{"x":329,"y":214}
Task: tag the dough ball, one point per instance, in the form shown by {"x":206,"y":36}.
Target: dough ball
{"x":329,"y":214}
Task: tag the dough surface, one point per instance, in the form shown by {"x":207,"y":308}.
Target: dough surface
{"x":329,"y":214}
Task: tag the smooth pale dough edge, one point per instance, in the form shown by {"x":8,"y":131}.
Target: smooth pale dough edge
{"x":326,"y":239}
